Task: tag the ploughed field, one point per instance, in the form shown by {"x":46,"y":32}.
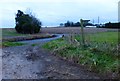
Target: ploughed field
{"x":60,"y":30}
{"x":73,"y":30}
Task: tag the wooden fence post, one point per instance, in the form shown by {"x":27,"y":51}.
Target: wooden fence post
{"x":82,"y":33}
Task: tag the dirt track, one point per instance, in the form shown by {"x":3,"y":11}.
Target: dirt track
{"x":18,"y":63}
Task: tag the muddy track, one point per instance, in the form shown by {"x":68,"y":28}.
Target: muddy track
{"x":33,"y":62}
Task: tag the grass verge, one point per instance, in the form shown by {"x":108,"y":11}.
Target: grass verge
{"x":101,"y":53}
{"x":8,"y":44}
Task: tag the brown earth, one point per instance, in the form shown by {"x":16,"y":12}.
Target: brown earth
{"x":74,"y":30}
{"x":67,"y":30}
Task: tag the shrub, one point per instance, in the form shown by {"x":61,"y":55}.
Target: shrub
{"x":27,"y":24}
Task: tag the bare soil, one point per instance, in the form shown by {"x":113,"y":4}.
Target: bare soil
{"x":36,"y":63}
{"x":74,"y":30}
{"x":68,"y":30}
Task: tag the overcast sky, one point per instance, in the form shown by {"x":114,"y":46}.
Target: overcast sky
{"x":54,"y":12}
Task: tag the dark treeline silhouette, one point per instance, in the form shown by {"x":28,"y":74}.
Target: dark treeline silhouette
{"x":27,"y":24}
{"x":77,"y":24}
{"x":111,"y":25}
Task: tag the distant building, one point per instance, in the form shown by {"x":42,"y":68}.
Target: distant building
{"x":119,"y":11}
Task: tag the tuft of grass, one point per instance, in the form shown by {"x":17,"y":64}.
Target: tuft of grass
{"x":34,"y":45}
{"x":55,"y":44}
{"x":100,"y":53}
{"x":8,"y":44}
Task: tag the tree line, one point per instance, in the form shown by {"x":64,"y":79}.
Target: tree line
{"x":112,"y":25}
{"x":76,"y":24}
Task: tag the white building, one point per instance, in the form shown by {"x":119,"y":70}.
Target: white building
{"x":119,"y":11}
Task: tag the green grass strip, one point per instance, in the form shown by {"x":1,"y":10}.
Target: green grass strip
{"x":8,"y":44}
